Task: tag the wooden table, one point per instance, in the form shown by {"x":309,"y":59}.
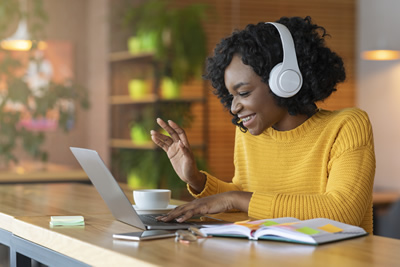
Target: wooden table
{"x":25,"y":211}
{"x":385,"y":197}
{"x":27,"y":172}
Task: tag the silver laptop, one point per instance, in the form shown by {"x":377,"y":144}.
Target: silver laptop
{"x":115,"y":198}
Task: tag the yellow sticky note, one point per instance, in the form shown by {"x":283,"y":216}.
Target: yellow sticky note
{"x":307,"y":230}
{"x":331,"y":228}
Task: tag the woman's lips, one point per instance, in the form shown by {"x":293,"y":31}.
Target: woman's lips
{"x":247,"y":120}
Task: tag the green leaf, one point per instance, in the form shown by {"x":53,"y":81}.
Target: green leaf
{"x":18,"y":91}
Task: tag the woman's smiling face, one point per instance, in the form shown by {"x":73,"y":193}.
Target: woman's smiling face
{"x":252,"y":99}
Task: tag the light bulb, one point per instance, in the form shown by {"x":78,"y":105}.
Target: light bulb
{"x":380,"y":55}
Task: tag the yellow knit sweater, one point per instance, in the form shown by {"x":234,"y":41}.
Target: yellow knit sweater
{"x":323,"y":168}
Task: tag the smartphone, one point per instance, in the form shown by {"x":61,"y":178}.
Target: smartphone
{"x":145,"y":235}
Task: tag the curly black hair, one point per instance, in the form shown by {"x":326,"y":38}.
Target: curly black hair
{"x":260,"y":47}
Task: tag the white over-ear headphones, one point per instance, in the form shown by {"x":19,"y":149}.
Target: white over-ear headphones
{"x":285,"y":79}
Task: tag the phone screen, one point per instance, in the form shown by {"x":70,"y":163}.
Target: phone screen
{"x":145,"y":235}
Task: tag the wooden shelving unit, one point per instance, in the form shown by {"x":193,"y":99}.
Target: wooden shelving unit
{"x":124,"y":109}
{"x":126,"y":55}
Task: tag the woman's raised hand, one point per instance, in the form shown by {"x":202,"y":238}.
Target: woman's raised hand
{"x":179,"y":153}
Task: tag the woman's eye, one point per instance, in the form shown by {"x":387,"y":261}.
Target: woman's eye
{"x":244,"y":93}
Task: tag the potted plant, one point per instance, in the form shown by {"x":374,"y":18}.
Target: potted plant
{"x":141,"y":125}
{"x":175,"y":36}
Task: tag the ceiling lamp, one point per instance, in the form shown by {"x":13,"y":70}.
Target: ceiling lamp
{"x":20,"y":40}
{"x":377,"y":41}
{"x":381,"y":55}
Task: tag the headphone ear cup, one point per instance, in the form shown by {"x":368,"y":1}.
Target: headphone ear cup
{"x":273,"y":79}
{"x":285,"y":79}
{"x":284,"y":83}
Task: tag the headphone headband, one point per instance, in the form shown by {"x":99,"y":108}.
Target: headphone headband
{"x":285,"y":78}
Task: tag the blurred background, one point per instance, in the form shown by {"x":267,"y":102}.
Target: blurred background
{"x":97,"y":73}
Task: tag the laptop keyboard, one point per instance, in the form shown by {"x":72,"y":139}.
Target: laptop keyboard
{"x":150,"y":219}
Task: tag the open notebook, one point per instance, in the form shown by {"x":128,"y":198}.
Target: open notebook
{"x":313,"y":231}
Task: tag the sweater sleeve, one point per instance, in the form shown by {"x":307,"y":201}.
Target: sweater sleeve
{"x":348,"y":193}
{"x":214,"y":186}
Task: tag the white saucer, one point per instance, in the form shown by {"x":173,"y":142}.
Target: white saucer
{"x":154,"y":211}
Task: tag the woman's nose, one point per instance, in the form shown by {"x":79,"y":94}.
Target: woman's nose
{"x":236,"y":106}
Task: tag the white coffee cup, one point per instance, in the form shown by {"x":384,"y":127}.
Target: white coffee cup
{"x":152,"y":198}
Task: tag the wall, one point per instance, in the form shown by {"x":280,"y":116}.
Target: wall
{"x":85,"y":25}
{"x":97,"y":132}
{"x":67,"y":22}
{"x":379,"y":86}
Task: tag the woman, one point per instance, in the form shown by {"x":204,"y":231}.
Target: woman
{"x":291,"y":158}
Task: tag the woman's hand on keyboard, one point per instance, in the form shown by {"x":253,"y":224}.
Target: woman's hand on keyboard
{"x":210,"y":205}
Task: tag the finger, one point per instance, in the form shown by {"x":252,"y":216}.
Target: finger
{"x":168,"y":217}
{"x":181,"y":133}
{"x":169,"y":129}
{"x":175,"y":213}
{"x":186,"y":216}
{"x":185,"y":212}
{"x":159,"y":141}
{"x":162,"y":138}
